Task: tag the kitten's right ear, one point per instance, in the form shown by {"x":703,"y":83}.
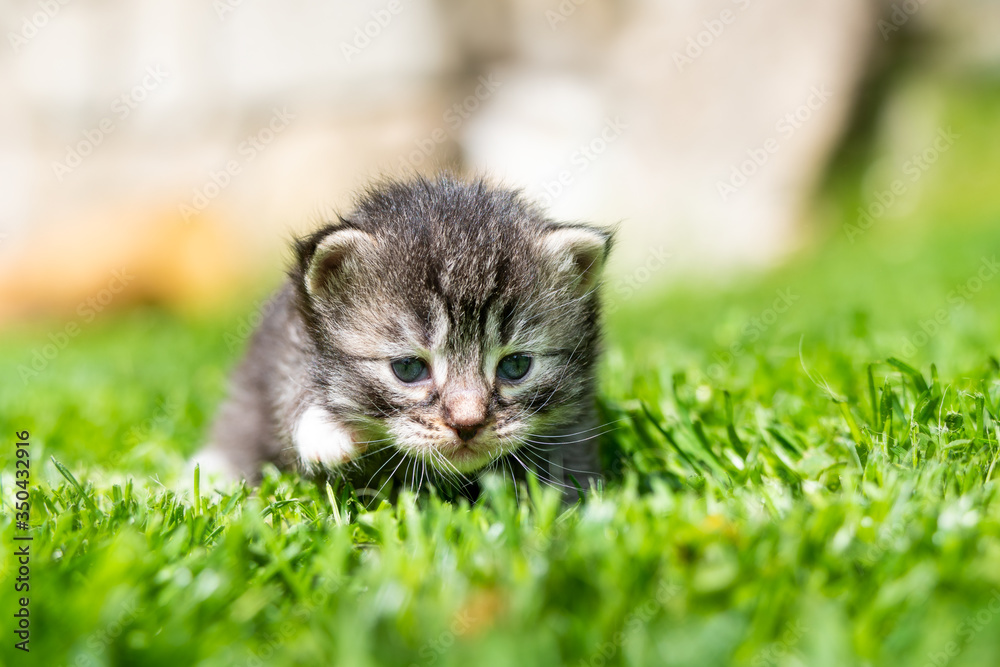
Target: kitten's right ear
{"x":336,"y":255}
{"x":578,"y":252}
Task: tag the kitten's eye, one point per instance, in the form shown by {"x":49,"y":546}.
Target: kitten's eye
{"x":410,"y":369}
{"x":513,"y":367}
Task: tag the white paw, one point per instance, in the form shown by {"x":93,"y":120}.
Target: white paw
{"x":321,"y":441}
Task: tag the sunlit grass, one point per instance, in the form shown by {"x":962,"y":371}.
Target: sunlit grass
{"x":801,"y":488}
{"x":802,"y":469}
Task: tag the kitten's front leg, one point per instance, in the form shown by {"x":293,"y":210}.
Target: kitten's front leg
{"x":320,"y":441}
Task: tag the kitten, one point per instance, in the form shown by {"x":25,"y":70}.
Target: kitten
{"x":440,"y":328}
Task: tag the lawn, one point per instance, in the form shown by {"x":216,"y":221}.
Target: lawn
{"x":802,"y":470}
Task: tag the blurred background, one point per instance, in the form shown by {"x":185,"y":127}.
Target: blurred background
{"x":164,"y":152}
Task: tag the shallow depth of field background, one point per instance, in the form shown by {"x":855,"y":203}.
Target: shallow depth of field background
{"x":185,"y":142}
{"x":802,"y":376}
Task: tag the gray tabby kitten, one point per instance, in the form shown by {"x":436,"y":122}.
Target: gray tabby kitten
{"x":440,"y":328}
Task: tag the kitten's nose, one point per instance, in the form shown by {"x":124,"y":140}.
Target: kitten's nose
{"x":466,"y":433}
{"x":465,"y":413}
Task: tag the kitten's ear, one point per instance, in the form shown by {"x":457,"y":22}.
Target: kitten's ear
{"x":335,"y":256}
{"x":579,"y":252}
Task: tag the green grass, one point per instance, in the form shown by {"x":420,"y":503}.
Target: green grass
{"x":818,"y":489}
{"x":784,"y":507}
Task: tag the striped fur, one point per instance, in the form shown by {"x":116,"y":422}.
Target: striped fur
{"x":456,"y":273}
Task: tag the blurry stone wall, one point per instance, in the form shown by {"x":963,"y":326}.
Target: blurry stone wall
{"x":185,"y":141}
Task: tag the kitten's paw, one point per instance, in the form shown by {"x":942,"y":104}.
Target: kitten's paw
{"x":320,"y":441}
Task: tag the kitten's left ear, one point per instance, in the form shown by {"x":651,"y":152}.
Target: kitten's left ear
{"x":579,"y":252}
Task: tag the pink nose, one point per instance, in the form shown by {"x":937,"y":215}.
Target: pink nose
{"x":465,"y":413}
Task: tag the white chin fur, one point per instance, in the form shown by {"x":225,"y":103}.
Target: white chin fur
{"x":320,"y":441}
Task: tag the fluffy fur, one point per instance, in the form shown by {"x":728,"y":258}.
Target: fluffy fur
{"x":459,"y":275}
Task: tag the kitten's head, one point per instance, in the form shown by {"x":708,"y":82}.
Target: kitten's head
{"x":452,"y":318}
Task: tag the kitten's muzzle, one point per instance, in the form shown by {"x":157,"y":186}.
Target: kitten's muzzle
{"x":465,"y":413}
